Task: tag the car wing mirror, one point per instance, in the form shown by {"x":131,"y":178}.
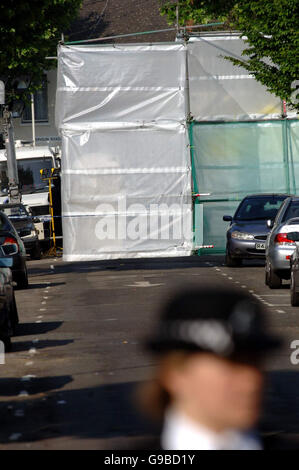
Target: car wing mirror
{"x":227,"y":218}
{"x":270,"y":223}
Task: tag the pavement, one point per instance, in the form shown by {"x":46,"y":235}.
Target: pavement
{"x":70,"y":381}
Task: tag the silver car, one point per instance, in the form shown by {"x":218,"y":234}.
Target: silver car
{"x":281,"y":242}
{"x":248,"y":230}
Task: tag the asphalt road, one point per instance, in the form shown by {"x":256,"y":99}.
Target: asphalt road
{"x":71,"y":379}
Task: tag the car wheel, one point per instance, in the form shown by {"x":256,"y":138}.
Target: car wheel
{"x":232,"y":262}
{"x":266,"y":277}
{"x":36,"y":252}
{"x":6,"y":328}
{"x":14,"y":317}
{"x":274,"y":281}
{"x":7,"y":343}
{"x":294,"y":294}
{"x":22,"y":280}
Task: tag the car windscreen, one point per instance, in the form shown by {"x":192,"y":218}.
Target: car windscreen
{"x":292,"y":211}
{"x":15,"y":212}
{"x":30,"y":180}
{"x":259,"y":208}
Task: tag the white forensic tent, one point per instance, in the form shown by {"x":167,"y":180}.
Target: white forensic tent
{"x":126,"y":172}
{"x":122,"y":111}
{"x":221,"y":91}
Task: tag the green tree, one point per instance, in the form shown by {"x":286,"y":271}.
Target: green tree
{"x":271,"y":29}
{"x":197,"y":11}
{"x":29,"y":32}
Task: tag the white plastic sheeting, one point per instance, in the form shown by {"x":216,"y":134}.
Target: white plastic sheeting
{"x":220,"y":90}
{"x":122,"y":111}
{"x":120,"y":84}
{"x":126,"y":173}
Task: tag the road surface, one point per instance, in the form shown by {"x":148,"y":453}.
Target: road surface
{"x":77,"y":360}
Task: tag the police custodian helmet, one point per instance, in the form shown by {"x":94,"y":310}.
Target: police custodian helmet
{"x":222,"y":321}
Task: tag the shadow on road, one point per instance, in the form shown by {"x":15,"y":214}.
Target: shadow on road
{"x":27,"y":329}
{"x":107,"y":411}
{"x":48,"y":343}
{"x":44,"y":285}
{"x":12,"y":386}
{"x":129,"y":264}
{"x":138,"y":264}
{"x":281,"y":411}
{"x":100,"y":412}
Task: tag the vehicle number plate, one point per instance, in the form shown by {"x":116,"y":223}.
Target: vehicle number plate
{"x":260,"y":246}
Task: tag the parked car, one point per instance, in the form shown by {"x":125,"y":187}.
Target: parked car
{"x":13,"y":247}
{"x":281,"y":243}
{"x":294,"y":262}
{"x":24,"y":224}
{"x":248,"y":230}
{"x":8,"y":308}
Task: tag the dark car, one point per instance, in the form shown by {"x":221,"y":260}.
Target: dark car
{"x":8,"y":308}
{"x":13,"y":247}
{"x":248,"y":230}
{"x":23,"y":223}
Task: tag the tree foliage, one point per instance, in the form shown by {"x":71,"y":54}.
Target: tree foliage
{"x":29,"y":32}
{"x":197,"y":11}
{"x":271,"y":29}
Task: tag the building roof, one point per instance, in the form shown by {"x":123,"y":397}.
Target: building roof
{"x":100,"y":18}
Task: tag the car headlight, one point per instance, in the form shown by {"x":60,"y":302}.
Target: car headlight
{"x":242,"y":236}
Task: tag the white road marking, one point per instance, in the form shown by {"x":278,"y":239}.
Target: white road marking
{"x":19,"y":413}
{"x":143,"y":284}
{"x":230,"y":278}
{"x":32,"y":350}
{"x":42,"y":309}
{"x":61,"y":402}
{"x":27,"y":378}
{"x":45,"y":298}
{"x":274,"y":295}
{"x":29,"y":363}
{"x":44,"y":303}
{"x":23,"y":393}
{"x":38,"y":321}
{"x":280,"y":311}
{"x":283,"y":305}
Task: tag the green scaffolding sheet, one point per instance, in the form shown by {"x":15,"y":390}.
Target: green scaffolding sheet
{"x":233,"y":159}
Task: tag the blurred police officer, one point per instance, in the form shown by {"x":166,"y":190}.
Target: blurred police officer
{"x":208,"y":385}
